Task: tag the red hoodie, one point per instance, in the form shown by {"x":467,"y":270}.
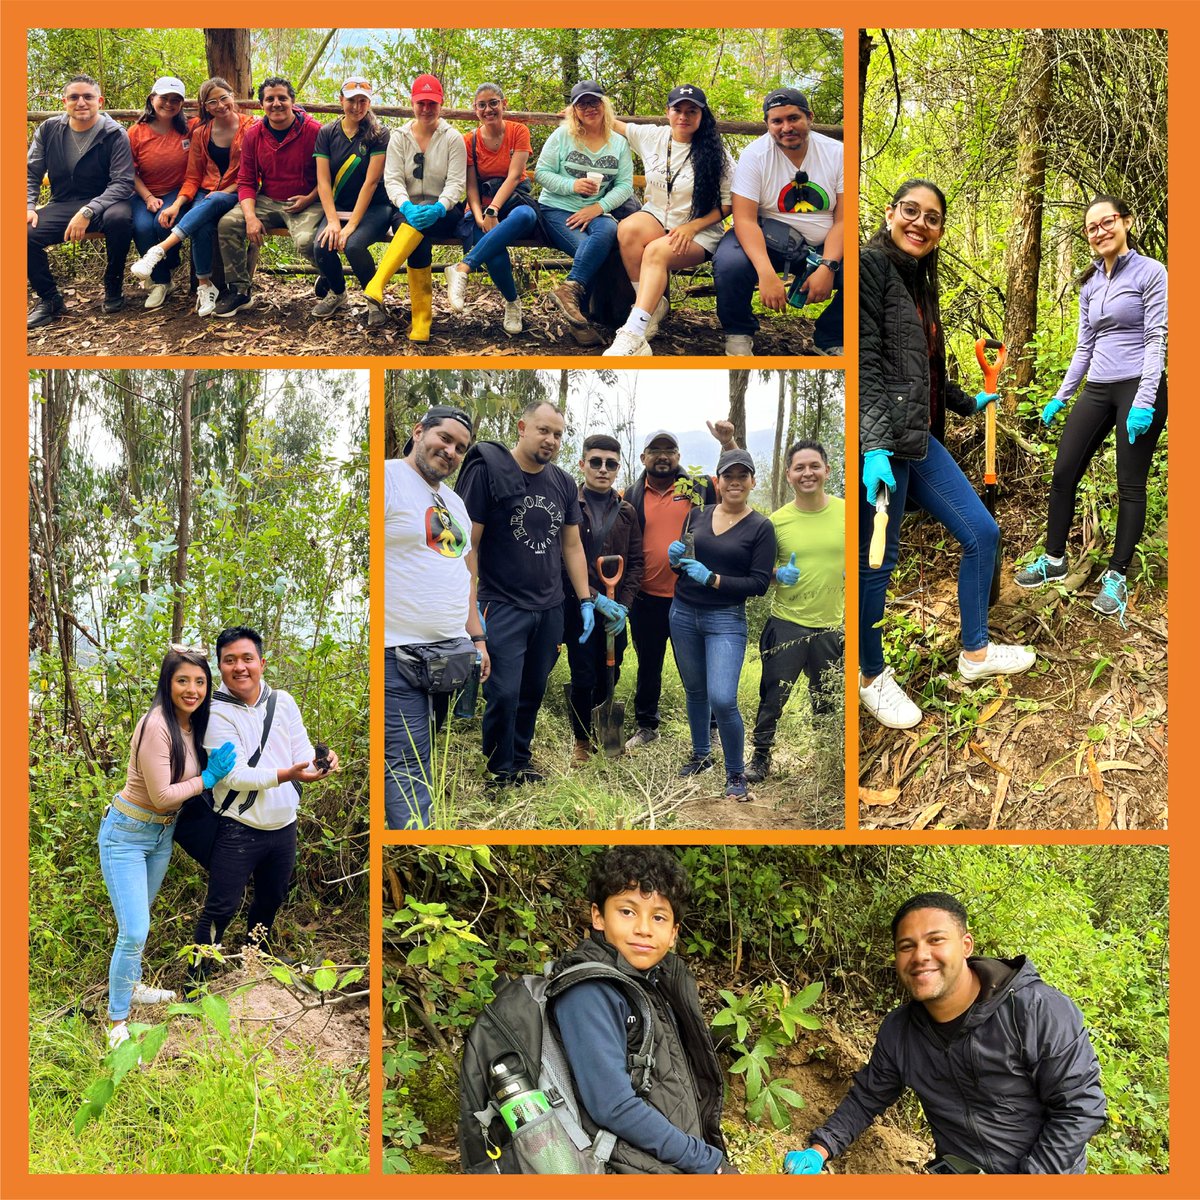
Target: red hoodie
{"x":279,"y":169}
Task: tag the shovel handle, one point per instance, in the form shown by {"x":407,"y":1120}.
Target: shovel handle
{"x":989,"y":445}
{"x":878,"y":533}
{"x":615,"y":564}
{"x":991,"y":370}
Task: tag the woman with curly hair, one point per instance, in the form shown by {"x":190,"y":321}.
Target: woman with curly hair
{"x":688,"y":173}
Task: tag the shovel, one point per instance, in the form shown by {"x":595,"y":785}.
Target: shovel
{"x":608,"y":719}
{"x":879,"y":529}
{"x":991,"y":372}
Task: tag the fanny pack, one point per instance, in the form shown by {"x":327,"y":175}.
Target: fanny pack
{"x":439,"y":667}
{"x":789,"y":244}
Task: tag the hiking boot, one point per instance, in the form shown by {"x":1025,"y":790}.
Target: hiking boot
{"x":739,"y":344}
{"x":232,"y":303}
{"x":1000,"y":660}
{"x":759,"y":768}
{"x":737,"y":788}
{"x":45,"y":311}
{"x":145,"y":265}
{"x":1113,"y":596}
{"x":887,"y":701}
{"x":456,"y":287}
{"x":661,"y":310}
{"x":513,"y":323}
{"x":642,"y":737}
{"x":1040,"y":572}
{"x":376,"y":314}
{"x":585,"y":335}
{"x":524,"y":775}
{"x":570,"y":298}
{"x":696,"y":765}
{"x":207,"y":296}
{"x":157,"y":295}
{"x":143,"y":995}
{"x":582,"y":754}
{"x":328,"y":306}
{"x":113,"y":301}
{"x":628,"y":344}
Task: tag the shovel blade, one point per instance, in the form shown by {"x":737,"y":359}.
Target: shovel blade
{"x":608,"y":720}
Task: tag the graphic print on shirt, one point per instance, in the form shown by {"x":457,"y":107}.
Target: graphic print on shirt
{"x":579,"y":164}
{"x":536,"y":522}
{"x":803,"y":195}
{"x":443,"y":534}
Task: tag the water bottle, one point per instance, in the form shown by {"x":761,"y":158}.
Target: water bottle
{"x":518,"y":1099}
{"x":546,"y":1149}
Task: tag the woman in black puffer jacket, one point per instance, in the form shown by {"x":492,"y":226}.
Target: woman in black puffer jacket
{"x":903,"y":395}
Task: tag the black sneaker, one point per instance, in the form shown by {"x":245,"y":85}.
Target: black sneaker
{"x":1041,"y":572}
{"x":695,"y":765}
{"x":525,"y":775}
{"x":737,"y":788}
{"x":45,"y":311}
{"x":114,"y":301}
{"x":232,"y":303}
{"x":759,"y":768}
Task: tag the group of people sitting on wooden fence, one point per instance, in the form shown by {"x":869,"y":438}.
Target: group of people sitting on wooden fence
{"x":228,"y":178}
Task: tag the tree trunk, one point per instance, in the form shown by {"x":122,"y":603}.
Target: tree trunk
{"x":777,"y":458}
{"x":866,"y":48}
{"x":228,"y":54}
{"x":316,"y":58}
{"x":1024,"y":256}
{"x":738,"y":382}
{"x":563,"y":380}
{"x":185,"y":502}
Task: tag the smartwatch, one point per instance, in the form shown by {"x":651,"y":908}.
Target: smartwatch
{"x":87,"y":211}
{"x":831,"y":263}
{"x":490,"y":212}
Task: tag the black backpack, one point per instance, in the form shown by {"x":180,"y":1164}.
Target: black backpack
{"x":517,"y":1022}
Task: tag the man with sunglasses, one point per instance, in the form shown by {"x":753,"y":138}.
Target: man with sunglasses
{"x":790,"y":178}
{"x":88,"y":160}
{"x":610,"y":527}
{"x":428,"y":596}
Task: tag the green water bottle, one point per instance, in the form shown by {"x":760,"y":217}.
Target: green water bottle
{"x":546,"y":1150}
{"x":518,"y":1099}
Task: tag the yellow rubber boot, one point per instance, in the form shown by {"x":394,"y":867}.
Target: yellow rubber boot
{"x":420,"y":292}
{"x":402,"y":245}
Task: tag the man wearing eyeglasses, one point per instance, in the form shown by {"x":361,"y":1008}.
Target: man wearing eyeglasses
{"x":87,"y":158}
{"x":610,"y":527}
{"x":791,"y":178}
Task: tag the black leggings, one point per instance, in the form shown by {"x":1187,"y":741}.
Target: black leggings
{"x":1097,"y":409}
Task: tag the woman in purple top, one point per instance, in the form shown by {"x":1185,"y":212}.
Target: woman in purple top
{"x":1122,"y":350}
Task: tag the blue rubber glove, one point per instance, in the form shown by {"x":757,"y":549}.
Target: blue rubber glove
{"x":675,"y":551}
{"x":1052,"y":410}
{"x":877,"y":471}
{"x":409,"y":210}
{"x":983,"y":399}
{"x":429,"y":215}
{"x":587,"y":610}
{"x":1138,"y":421}
{"x":696,"y":571}
{"x":220,"y":763}
{"x":803,"y":1162}
{"x":610,"y":610}
{"x":616,"y":623}
{"x":789,"y":574}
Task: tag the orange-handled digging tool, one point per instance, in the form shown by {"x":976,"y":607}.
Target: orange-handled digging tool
{"x":609,"y":717}
{"x":991,"y":373}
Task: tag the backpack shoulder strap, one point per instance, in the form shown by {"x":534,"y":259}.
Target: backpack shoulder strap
{"x":251,"y":797}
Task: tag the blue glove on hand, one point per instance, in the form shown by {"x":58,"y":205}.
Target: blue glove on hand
{"x":614,"y":614}
{"x":696,"y":571}
{"x":789,"y":574}
{"x":427,"y":215}
{"x":220,"y":763}
{"x":877,"y":471}
{"x":409,"y":211}
{"x":803,"y":1162}
{"x":675,"y":551}
{"x":587,"y":610}
{"x":615,"y":624}
{"x":1138,"y":421}
{"x":983,"y":399}
{"x":1052,"y":410}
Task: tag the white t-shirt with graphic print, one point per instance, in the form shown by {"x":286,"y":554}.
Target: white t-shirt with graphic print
{"x":767,"y":176}
{"x":426,"y":584}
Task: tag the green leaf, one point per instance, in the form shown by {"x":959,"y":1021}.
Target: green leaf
{"x":351,"y":976}
{"x":216,"y":1009}
{"x":808,"y":1021}
{"x":123,"y":1059}
{"x":284,"y":975}
{"x":324,"y":978}
{"x":152,"y":1043}
{"x":724,"y":1017}
{"x":807,"y":997}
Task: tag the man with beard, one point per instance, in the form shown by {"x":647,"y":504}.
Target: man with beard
{"x":791,"y":180}
{"x":429,"y":596}
{"x":525,"y":522}
{"x":1000,"y":1061}
{"x":663,"y":496}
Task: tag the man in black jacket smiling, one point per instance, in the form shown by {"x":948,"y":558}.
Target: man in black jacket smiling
{"x":1000,"y":1060}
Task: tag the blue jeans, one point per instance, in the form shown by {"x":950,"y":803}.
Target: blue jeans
{"x":936,"y":484}
{"x":134,"y":856}
{"x":148,"y":232}
{"x":371,"y":229}
{"x":407,"y":750}
{"x":491,"y":249}
{"x":710,"y":646}
{"x":199,"y":224}
{"x":588,"y":247}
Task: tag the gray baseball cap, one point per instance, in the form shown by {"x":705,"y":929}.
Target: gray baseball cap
{"x":660,"y":435}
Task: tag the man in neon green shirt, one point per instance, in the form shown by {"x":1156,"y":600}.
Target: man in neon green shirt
{"x":805,"y":629}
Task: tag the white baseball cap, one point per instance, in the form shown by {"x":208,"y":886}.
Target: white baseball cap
{"x":357,"y":85}
{"x":168,"y":85}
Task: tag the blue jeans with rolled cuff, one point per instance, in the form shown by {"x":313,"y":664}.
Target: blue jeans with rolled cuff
{"x":199,"y":225}
{"x":148,"y":232}
{"x":491,"y":249}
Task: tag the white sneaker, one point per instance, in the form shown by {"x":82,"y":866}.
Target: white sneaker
{"x":117,"y":1035}
{"x":743,"y":344}
{"x":456,"y":287}
{"x":157,"y":295}
{"x":1000,"y":660}
{"x":146,"y":264}
{"x":143,"y":995}
{"x":512,"y":316}
{"x":207,"y":295}
{"x":887,"y":701}
{"x":656,"y":317}
{"x":627,"y":344}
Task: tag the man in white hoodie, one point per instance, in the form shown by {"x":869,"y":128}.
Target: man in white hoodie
{"x":256,"y":838}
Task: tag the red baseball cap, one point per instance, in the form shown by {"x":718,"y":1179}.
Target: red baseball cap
{"x":426,"y":87}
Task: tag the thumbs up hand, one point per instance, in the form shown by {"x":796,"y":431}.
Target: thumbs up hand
{"x":789,"y":574}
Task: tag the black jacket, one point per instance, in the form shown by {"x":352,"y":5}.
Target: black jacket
{"x":624,"y":538}
{"x":903,"y":391}
{"x":1016,"y":1091}
{"x":102,"y":177}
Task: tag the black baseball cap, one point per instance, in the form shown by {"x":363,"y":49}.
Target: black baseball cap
{"x":687,"y":91}
{"x":784,"y":96}
{"x":735,"y":458}
{"x":586,"y":87}
{"x":440,"y":413}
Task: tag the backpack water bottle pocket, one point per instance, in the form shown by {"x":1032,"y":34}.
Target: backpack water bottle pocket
{"x":543,"y":1147}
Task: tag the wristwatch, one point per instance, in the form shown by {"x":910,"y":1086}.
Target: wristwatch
{"x":86,"y":211}
{"x":831,"y":263}
{"x":490,"y":212}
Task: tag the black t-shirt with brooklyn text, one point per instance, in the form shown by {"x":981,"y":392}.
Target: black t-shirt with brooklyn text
{"x":520,"y":553}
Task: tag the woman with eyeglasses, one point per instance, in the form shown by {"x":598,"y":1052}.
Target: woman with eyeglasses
{"x":688,"y":174}
{"x":425,"y":173}
{"x":160,"y":141}
{"x":501,"y":206}
{"x":350,"y":156}
{"x":209,"y":189}
{"x":167,"y":766}
{"x":1122,"y":350}
{"x":585,"y":171}
{"x":903,"y":397}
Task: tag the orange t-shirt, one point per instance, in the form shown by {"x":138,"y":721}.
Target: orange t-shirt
{"x":160,"y":159}
{"x":494,"y":164}
{"x":665,"y":514}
